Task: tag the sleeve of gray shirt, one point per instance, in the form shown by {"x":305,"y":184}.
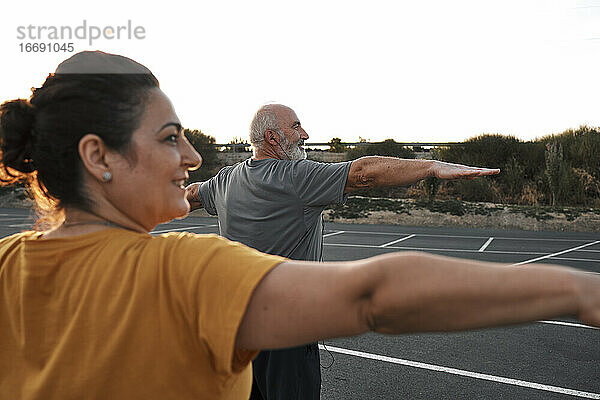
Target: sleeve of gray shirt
{"x":207,"y":190}
{"x":320,"y":184}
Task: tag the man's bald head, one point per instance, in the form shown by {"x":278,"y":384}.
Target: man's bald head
{"x":267,"y":117}
{"x":276,"y":132}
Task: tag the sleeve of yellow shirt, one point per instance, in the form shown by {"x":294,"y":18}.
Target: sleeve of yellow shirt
{"x":219,"y":276}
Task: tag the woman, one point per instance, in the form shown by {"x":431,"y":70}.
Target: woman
{"x":92,"y":306}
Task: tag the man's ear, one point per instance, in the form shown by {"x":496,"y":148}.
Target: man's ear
{"x":271,"y":137}
{"x":92,"y":151}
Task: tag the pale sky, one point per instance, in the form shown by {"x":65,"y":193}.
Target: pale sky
{"x":436,"y":71}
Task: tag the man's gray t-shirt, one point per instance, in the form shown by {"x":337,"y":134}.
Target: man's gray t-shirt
{"x":274,"y":205}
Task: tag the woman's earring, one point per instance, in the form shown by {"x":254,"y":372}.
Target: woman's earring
{"x":107,"y":176}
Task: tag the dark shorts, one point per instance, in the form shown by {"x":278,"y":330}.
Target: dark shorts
{"x":287,"y":374}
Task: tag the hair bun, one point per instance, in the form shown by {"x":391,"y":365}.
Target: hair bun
{"x":16,"y":134}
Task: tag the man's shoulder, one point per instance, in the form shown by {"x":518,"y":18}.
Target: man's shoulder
{"x":275,"y":168}
{"x":318,"y":165}
{"x":223,"y":172}
{"x":306,"y":163}
{"x":299,"y":167}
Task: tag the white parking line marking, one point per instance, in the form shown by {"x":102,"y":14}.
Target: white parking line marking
{"x":486,"y":244}
{"x":397,"y":241}
{"x":575,"y":259}
{"x":557,"y":254}
{"x":467,"y":236}
{"x":333,"y":233}
{"x":470,"y":374}
{"x":407,"y":233}
{"x":370,"y":246}
{"x":572,"y":324}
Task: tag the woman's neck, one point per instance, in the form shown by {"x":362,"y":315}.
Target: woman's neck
{"x":79,"y":222}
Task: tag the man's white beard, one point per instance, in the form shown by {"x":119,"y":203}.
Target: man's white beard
{"x":293,"y":151}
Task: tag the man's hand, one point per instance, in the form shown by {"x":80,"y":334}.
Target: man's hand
{"x":445,"y":170}
{"x":191,"y":194}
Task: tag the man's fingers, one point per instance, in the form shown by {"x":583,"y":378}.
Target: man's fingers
{"x":479,"y":172}
{"x":489,"y":171}
{"x":467,"y":173}
{"x":457,"y":171}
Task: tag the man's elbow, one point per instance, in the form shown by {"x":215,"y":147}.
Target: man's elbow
{"x":361,"y":175}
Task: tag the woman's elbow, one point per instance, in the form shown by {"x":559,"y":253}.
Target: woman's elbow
{"x":386,"y":301}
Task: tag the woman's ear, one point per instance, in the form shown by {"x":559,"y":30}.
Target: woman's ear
{"x":93,"y":151}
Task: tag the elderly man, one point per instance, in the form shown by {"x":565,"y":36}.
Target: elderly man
{"x":274,"y":201}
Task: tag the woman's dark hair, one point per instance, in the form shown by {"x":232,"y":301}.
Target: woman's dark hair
{"x":91,"y":92}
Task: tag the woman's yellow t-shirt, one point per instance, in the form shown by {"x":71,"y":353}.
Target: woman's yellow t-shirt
{"x":122,"y":315}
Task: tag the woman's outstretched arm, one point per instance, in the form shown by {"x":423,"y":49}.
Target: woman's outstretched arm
{"x":300,"y":302}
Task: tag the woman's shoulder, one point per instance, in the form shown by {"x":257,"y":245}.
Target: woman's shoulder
{"x":188,"y":237}
{"x":187,"y":241}
{"x":11,"y":246}
{"x":208,"y":246}
{"x":15,"y":239}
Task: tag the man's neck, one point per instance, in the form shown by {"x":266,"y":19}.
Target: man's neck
{"x":263,"y":154}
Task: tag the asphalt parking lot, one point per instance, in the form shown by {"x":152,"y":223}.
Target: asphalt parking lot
{"x":555,"y":359}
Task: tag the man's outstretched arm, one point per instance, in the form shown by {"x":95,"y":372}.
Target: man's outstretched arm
{"x":376,"y":171}
{"x":191,"y":194}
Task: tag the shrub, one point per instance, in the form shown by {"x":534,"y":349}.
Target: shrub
{"x":204,"y":144}
{"x":431,"y":186}
{"x":581,"y":148}
{"x":388,"y":147}
{"x":491,"y":151}
{"x":480,"y":189}
{"x":336,"y":146}
{"x":512,"y":178}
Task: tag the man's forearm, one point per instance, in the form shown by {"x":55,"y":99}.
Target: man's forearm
{"x":441,"y":294}
{"x":376,"y":171}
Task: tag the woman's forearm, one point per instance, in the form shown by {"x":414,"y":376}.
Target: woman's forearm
{"x":432,"y":293}
{"x":396,"y":293}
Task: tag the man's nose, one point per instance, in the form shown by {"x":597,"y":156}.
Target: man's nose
{"x":303,"y":134}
